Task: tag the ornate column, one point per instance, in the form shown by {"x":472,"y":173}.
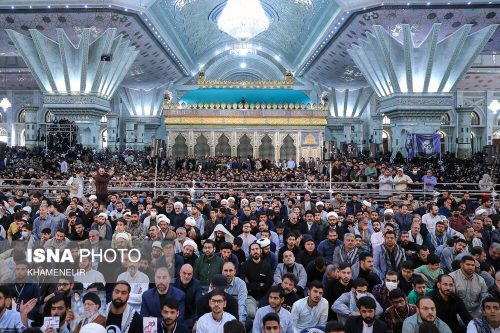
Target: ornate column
{"x":346,"y":109}
{"x":416,"y":84}
{"x":75,"y":82}
{"x":31,"y":127}
{"x":145,"y":108}
{"x":130,"y":138}
{"x":464,"y":148}
{"x":112,"y":127}
{"x":139,"y":145}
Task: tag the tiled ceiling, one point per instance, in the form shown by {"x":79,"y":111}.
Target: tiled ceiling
{"x":335,"y":68}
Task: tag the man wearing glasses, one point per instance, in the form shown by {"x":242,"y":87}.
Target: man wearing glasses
{"x":213,"y":322}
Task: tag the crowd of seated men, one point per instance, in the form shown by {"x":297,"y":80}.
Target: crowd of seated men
{"x":246,"y":260}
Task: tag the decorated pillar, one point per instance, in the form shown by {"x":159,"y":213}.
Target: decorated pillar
{"x":130,"y":138}
{"x":464,"y":147}
{"x":77,"y":84}
{"x":415,"y":85}
{"x":144,"y":108}
{"x":139,"y":134}
{"x":112,"y":127}
{"x":31,"y":127}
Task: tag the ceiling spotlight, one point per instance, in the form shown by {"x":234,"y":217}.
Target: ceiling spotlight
{"x":428,"y":3}
{"x":243,"y":65}
{"x":86,"y":6}
{"x":31,"y":7}
{"x":67,"y":6}
{"x":48,"y":6}
{"x":469,"y":3}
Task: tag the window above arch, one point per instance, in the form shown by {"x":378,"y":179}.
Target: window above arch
{"x":445,"y":119}
{"x":474,"y":119}
{"x":21,"y":117}
{"x":386,"y":121}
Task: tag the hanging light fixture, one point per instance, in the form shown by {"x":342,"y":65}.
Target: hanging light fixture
{"x":243,"y":19}
{"x":5,"y":104}
{"x":494,"y":106}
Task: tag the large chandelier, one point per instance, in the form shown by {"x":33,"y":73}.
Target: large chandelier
{"x":243,"y":19}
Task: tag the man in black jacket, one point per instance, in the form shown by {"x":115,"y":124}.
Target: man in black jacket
{"x":366,"y":306}
{"x":449,"y":305}
{"x":219,"y":282}
{"x":258,"y":276}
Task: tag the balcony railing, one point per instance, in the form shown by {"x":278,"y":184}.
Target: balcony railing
{"x":244,"y":106}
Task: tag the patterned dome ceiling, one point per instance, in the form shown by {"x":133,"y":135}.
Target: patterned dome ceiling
{"x":191,"y":38}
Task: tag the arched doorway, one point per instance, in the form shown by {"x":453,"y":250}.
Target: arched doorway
{"x":386,"y":142}
{"x":266,"y":149}
{"x":104,"y":139}
{"x":180,"y":148}
{"x":288,"y":149}
{"x":223,"y":147}
{"x":244,"y":149}
{"x":4,"y":137}
{"x":201,"y":148}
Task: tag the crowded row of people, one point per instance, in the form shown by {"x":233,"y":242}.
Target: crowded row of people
{"x":348,"y":264}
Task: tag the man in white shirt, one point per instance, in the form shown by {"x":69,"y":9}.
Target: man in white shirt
{"x":310,"y":311}
{"x":431,"y":218}
{"x":490,"y":320}
{"x":213,"y":322}
{"x":139,"y":282}
{"x":76,"y":185}
{"x":90,"y":275}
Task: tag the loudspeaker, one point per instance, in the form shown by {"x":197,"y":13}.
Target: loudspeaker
{"x":106,"y":57}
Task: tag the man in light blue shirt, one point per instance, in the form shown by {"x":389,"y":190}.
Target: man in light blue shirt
{"x":237,"y":288}
{"x":310,"y":311}
{"x":276,"y":298}
{"x":11,"y":319}
{"x":44,"y":221}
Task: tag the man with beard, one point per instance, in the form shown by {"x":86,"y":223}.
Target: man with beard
{"x":327,"y":247}
{"x":366,"y":271}
{"x":189,"y":248}
{"x":290,"y":266}
{"x":12,"y":319}
{"x":389,"y":256}
{"x":64,"y":286}
{"x":153,"y":298}
{"x":366,"y":321}
{"x":347,"y":253}
{"x":24,"y":291}
{"x":169,"y":322}
{"x":89,"y":275}
{"x":398,"y":311}
{"x":449,"y":305}
{"x":258,"y":276}
{"x":192,"y":288}
{"x":214,"y":321}
{"x":121,"y":316}
{"x":426,"y":313}
{"x":338,"y":286}
{"x":276,"y":298}
{"x":91,"y":306}
{"x":311,"y":310}
{"x":289,"y":285}
{"x":236,"y":288}
{"x":104,"y":228}
{"x":59,"y":306}
{"x":208,"y":264}
{"x":469,"y":285}
{"x":139,"y":282}
{"x":449,"y":253}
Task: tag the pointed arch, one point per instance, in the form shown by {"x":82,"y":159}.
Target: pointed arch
{"x":245,"y":147}
{"x":180,"y":148}
{"x":288,"y":149}
{"x":223,"y":147}
{"x":266,"y":148}
{"x":201,"y":148}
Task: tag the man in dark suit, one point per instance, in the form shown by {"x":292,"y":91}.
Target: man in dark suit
{"x":366,"y":318}
{"x":153,"y":298}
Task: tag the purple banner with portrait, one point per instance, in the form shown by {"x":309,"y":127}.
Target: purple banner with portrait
{"x":423,"y":145}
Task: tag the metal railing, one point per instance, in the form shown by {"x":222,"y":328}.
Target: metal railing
{"x":366,"y":189}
